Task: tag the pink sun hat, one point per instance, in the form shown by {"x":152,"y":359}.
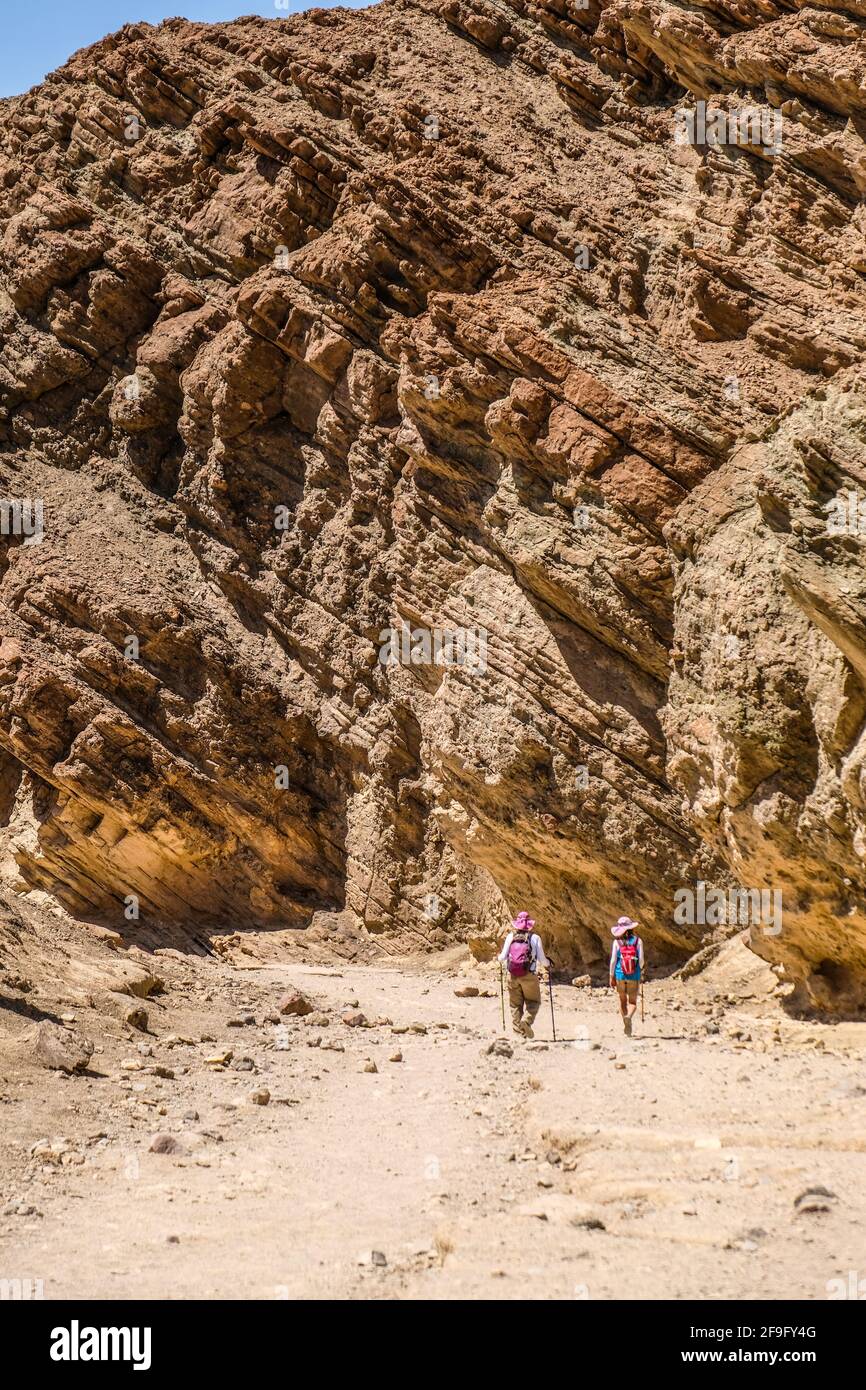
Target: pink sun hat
{"x":523,"y":922}
{"x":625,"y":924}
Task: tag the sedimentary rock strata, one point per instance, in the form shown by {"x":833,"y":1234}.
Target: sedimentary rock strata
{"x":427,"y":317}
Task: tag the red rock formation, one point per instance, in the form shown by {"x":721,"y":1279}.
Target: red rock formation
{"x":421,"y":315}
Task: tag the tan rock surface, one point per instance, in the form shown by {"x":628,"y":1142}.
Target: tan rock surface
{"x":418,"y":314}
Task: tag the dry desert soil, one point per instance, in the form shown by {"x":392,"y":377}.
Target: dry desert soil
{"x":719,"y":1153}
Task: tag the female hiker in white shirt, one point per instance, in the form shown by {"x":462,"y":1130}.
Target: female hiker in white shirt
{"x":523,"y":955}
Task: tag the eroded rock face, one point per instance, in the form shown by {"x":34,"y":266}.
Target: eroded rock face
{"x":420,"y":316}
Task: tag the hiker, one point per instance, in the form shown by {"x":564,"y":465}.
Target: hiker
{"x":523,"y":955}
{"x":626,"y":968}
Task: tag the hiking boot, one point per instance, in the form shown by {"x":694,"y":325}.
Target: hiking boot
{"x":527,"y":1030}
{"x":626,"y":1027}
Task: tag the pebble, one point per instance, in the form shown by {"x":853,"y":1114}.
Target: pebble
{"x":20,"y":1209}
{"x":295,"y":1003}
{"x":815,"y":1199}
{"x":165,"y":1144}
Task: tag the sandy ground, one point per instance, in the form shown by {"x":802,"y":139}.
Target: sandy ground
{"x":669,"y":1165}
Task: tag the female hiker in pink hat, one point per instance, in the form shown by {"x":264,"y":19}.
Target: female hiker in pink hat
{"x":626,"y":968}
{"x":523,"y":954}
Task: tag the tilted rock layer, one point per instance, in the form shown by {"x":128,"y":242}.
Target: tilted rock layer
{"x":422,"y":316}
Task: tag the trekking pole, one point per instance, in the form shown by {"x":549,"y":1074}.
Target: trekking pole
{"x":502,"y":996}
{"x":641,"y":1001}
{"x":550,"y":991}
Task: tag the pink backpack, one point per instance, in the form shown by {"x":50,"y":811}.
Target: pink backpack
{"x":519,"y":959}
{"x":629,"y":954}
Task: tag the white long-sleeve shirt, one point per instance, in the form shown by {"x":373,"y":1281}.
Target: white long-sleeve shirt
{"x":538,"y":956}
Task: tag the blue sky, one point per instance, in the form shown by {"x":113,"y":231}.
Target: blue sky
{"x":35,"y":39}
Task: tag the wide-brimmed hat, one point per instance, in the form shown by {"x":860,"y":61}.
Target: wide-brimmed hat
{"x":625,"y":924}
{"x":523,"y":922}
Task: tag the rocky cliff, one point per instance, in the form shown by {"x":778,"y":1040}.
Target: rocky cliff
{"x":419,"y":431}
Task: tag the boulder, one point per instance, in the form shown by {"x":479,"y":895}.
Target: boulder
{"x":62,"y":1049}
{"x":295,"y":1003}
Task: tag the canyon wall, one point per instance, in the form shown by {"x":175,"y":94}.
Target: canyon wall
{"x":442,"y":316}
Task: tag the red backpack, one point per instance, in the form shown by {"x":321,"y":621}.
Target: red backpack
{"x":629,"y":955}
{"x":519,"y":959}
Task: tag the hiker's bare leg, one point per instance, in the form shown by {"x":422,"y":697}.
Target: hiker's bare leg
{"x":621,"y":987}
{"x":621,"y":994}
{"x":627,"y":990}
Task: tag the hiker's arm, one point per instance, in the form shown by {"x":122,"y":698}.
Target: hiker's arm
{"x":540,"y":957}
{"x":641,"y":958}
{"x":612,"y":963}
{"x":503,"y":954}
